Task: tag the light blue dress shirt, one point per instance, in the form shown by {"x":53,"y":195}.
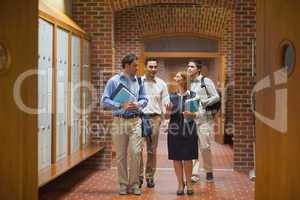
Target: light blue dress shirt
{"x":133,"y":85}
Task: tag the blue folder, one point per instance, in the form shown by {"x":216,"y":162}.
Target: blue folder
{"x":122,"y":94}
{"x":192,"y":105}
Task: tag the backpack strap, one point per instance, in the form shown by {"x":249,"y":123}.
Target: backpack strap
{"x":139,"y":79}
{"x":204,"y":86}
{"x":192,"y":94}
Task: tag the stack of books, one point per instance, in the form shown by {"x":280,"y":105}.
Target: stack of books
{"x":122,"y":94}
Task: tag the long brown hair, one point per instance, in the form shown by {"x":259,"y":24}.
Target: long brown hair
{"x":186,"y":79}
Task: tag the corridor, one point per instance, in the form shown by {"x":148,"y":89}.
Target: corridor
{"x":87,"y":184}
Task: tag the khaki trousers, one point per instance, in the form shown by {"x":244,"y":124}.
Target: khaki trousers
{"x":126,"y":135}
{"x":151,"y":149}
{"x":204,"y":131}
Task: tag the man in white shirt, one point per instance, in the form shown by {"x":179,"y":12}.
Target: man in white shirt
{"x":156,"y":91}
{"x":208,"y":97}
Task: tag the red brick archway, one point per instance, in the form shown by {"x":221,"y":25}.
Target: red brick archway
{"x":118,"y":5}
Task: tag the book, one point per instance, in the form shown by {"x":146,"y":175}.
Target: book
{"x":192,"y":105}
{"x":122,"y":94}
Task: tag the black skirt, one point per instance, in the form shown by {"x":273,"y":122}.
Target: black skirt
{"x":182,"y":133}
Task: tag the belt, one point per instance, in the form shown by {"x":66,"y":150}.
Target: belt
{"x":128,"y":116}
{"x":152,"y":114}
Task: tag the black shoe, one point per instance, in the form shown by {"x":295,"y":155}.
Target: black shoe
{"x":141,"y":179}
{"x":180,"y":192}
{"x":150,"y":183}
{"x":209,"y":177}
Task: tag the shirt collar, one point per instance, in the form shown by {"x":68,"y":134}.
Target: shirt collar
{"x":197,"y":79}
{"x":124,"y":76}
{"x":186,"y":93}
{"x":145,"y":79}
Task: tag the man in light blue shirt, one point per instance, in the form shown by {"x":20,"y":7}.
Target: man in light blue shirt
{"x":126,"y":126}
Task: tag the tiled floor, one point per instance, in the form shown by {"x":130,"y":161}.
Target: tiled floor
{"x":102,"y":185}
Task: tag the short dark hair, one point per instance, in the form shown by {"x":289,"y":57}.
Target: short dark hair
{"x":128,"y":59}
{"x":150,"y":59}
{"x":198,"y":64}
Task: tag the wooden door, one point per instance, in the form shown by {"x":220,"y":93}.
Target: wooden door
{"x":18,"y":128}
{"x":277,"y":137}
{"x":141,"y":70}
{"x":220,"y":84}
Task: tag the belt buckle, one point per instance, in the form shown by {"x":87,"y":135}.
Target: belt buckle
{"x":130,"y":116}
{"x":153,"y":115}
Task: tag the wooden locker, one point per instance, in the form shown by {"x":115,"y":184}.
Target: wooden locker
{"x":75,"y":94}
{"x":85,"y":92}
{"x":45,"y":92}
{"x":61,"y":94}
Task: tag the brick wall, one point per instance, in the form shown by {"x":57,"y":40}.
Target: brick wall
{"x":118,"y":5}
{"x":245,"y":30}
{"x":96,"y":18}
{"x":227,"y":49}
{"x":110,"y":44}
{"x":127,"y":35}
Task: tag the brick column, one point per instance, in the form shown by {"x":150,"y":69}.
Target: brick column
{"x":96,"y":18}
{"x":245,"y":30}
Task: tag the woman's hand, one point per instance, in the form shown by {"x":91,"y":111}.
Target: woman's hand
{"x":187,"y":114}
{"x":169,"y":108}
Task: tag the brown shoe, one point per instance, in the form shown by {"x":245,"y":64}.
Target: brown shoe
{"x":135,"y":191}
{"x":209,"y":177}
{"x":123,"y":190}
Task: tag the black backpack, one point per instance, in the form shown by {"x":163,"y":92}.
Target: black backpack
{"x":215,"y":107}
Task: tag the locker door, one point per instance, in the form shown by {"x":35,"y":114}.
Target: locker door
{"x":48,"y":69}
{"x":62,"y":84}
{"x":44,"y":93}
{"x":75,"y":116}
{"x":85,"y":93}
{"x":40,"y":93}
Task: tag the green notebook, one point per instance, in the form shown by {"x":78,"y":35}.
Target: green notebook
{"x":192,"y":105}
